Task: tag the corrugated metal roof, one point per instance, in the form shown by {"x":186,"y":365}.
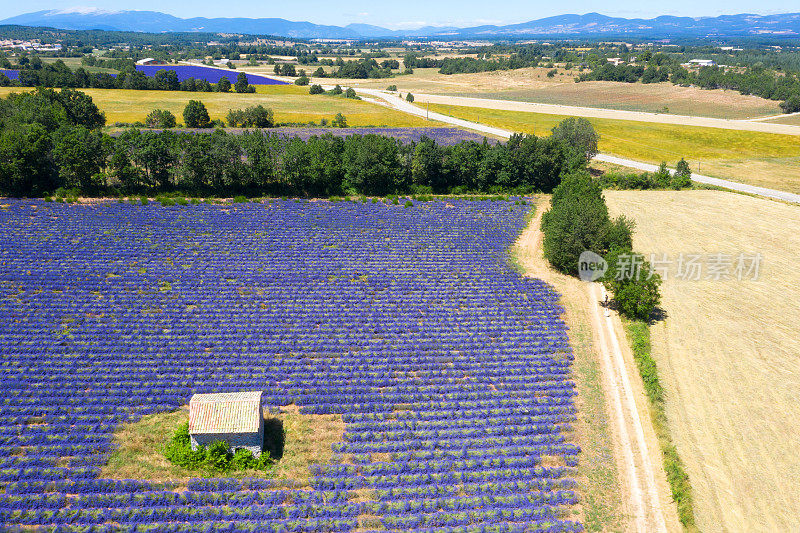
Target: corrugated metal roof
{"x":234,"y":412}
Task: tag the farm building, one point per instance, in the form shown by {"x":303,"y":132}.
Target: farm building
{"x":150,"y":61}
{"x":700,"y":63}
{"x":236,"y":418}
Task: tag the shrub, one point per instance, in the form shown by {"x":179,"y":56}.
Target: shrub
{"x":337,"y":89}
{"x":160,"y":118}
{"x":339,"y":121}
{"x":392,"y":88}
{"x":350,"y":93}
{"x":302,"y":80}
{"x":409,"y":97}
{"x":634,"y":284}
{"x":316,"y":89}
{"x":216,"y":457}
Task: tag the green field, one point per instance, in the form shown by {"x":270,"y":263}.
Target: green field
{"x":763,"y":159}
{"x":289,"y":102}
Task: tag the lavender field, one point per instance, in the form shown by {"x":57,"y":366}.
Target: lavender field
{"x":12,"y":74}
{"x":210,"y":74}
{"x":451,"y":371}
{"x":442,"y":136}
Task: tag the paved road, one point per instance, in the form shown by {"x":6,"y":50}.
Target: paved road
{"x":615,"y":114}
{"x":391,"y":100}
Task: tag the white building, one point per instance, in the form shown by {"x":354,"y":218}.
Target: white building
{"x":701,"y":63}
{"x":236,"y":418}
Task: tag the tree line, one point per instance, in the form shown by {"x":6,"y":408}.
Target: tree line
{"x":35,"y":73}
{"x":754,"y":80}
{"x":51,"y":139}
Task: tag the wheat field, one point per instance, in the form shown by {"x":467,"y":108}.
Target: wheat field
{"x":728,"y":352}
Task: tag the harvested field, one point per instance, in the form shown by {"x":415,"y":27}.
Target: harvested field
{"x":727,"y":352}
{"x":652,"y":98}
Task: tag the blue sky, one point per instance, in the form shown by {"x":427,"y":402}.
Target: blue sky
{"x":404,"y":14}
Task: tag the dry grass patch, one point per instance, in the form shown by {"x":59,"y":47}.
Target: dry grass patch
{"x":727,"y":353}
{"x":139,"y":452}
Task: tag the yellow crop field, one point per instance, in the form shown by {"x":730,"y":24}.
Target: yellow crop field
{"x":763,"y":159}
{"x":727,"y":351}
{"x":289,"y":102}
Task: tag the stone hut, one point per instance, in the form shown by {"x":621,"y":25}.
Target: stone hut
{"x":236,"y":418}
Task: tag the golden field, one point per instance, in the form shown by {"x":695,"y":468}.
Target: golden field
{"x":289,"y":102}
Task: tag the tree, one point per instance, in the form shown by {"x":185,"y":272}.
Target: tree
{"x":578,"y":133}
{"x":632,"y":281}
{"x":26,"y":168}
{"x":167,"y":80}
{"x":195,"y":115}
{"x":302,"y":80}
{"x":316,"y":89}
{"x":337,"y":89}
{"x":409,"y":97}
{"x":339,"y":121}
{"x":80,"y":155}
{"x":792,"y":104}
{"x":371,"y":164}
{"x":682,"y":177}
{"x":224,"y":85}
{"x":350,"y":93}
{"x":242,"y":85}
{"x":160,"y":118}
{"x":426,"y":165}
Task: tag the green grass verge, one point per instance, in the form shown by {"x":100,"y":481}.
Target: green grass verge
{"x":639,"y":337}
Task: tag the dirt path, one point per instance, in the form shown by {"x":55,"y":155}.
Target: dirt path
{"x":644,"y":487}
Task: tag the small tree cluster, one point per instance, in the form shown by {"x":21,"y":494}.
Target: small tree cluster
{"x":160,"y":118}
{"x":577,"y":221}
{"x":251,"y":117}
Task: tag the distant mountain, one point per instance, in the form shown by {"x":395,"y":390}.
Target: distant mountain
{"x":591,"y":24}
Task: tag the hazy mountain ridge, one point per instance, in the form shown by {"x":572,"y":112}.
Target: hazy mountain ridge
{"x":787,"y":24}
